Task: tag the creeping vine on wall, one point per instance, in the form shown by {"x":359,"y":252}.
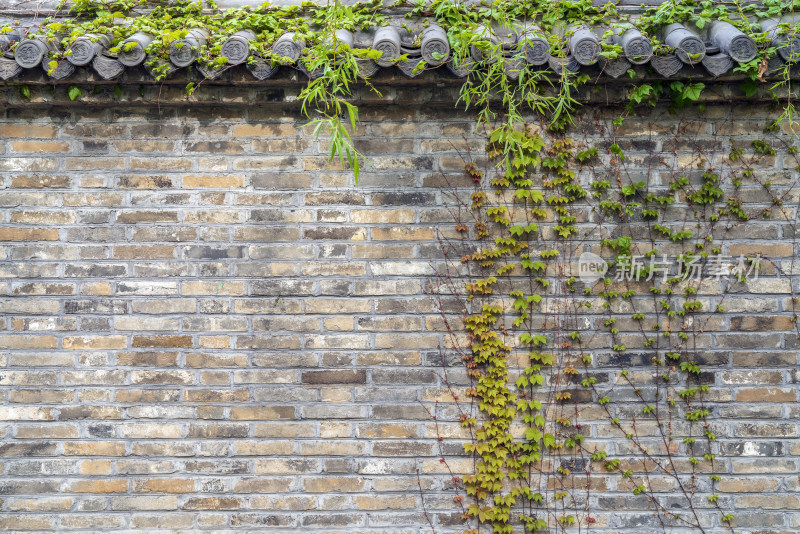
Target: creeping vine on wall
{"x":531,"y":356}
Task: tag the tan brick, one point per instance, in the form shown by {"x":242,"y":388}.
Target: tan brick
{"x":95,"y":342}
{"x":214,"y":288}
{"x":43,"y":217}
{"x":151,"y":431}
{"x":163,"y":485}
{"x":146,"y":323}
{"x":212,"y":395}
{"x":149,"y":522}
{"x":27,"y":342}
{"x":774,"y":250}
{"x":145,"y":216}
{"x":162,"y":341}
{"x":214,"y":342}
{"x":388,"y":502}
{"x":213,"y":503}
{"x":164,"y":306}
{"x":41,"y":147}
{"x":262,"y":485}
{"x":331,"y":447}
{"x":41,"y":396}
{"x":94,"y":448}
{"x":150,"y":359}
{"x":335,"y":394}
{"x":98,"y":486}
{"x":766,"y":395}
{"x":284,"y":430}
{"x":161,"y":502}
{"x":39,"y":181}
{"x":217,"y":216}
{"x":17,"y":522}
{"x":95,"y":467}
{"x":28,"y":234}
{"x":217,"y":181}
{"x":262,"y":413}
{"x":46,"y":504}
{"x":403,"y":234}
{"x":340,"y":341}
{"x":162,"y":377}
{"x":46,"y":431}
{"x":769,"y":502}
{"x":160,"y":164}
{"x":94,"y":164}
{"x":94,"y":199}
{"x":147,"y":395}
{"x":333,"y":484}
{"x":28,"y":131}
{"x":29,"y":306}
{"x":382,"y":216}
{"x":276,"y":466}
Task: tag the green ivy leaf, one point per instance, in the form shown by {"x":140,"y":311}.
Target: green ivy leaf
{"x":692,"y":91}
{"x":73,"y":92}
{"x":615,"y":149}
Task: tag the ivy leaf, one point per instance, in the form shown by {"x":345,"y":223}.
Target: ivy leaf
{"x":25,"y":91}
{"x":532,"y":434}
{"x":615,"y":149}
{"x":692,"y":91}
{"x":750,"y":88}
{"x":73,"y":92}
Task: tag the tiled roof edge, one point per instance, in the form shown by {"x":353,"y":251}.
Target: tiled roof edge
{"x":709,"y":53}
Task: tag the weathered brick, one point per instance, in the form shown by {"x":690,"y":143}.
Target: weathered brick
{"x":262,"y":413}
{"x":39,"y":146}
{"x":217,"y":181}
{"x":98,"y":486}
{"x":28,"y":234}
{"x":766,"y":395}
{"x":164,"y":485}
{"x":162,"y":341}
{"x":95,"y":342}
{"x":29,"y":131}
{"x":334,"y":377}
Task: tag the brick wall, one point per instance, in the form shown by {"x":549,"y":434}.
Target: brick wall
{"x":207,"y":328}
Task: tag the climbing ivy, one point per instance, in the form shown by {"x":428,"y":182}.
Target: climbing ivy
{"x":531,"y":357}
